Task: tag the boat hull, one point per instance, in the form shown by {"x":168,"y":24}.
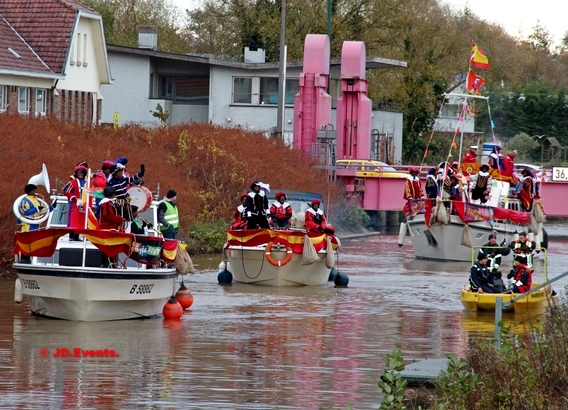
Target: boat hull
{"x":443,"y":242}
{"x":249,"y":265}
{"x":536,"y":302}
{"x":95,"y":294}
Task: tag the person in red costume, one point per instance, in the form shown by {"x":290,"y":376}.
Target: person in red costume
{"x":102,"y":176}
{"x":412,"y":189}
{"x":108,"y":216}
{"x":521,"y":276}
{"x":241,"y":214}
{"x":74,"y":193}
{"x":509,"y":165}
{"x":412,"y":186}
{"x":529,"y":191}
{"x":470,"y":157}
{"x":280,"y":212}
{"x":109,"y":219}
{"x":315,"y":219}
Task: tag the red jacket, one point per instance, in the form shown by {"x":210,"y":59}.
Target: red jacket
{"x":315,"y":221}
{"x":99,"y":180}
{"x":108,"y":217}
{"x":470,"y":157}
{"x":413,"y":188}
{"x":523,"y":274}
{"x":73,"y":191}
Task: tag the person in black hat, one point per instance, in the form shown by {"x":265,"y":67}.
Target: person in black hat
{"x":480,"y":185}
{"x":257,"y":206}
{"x":31,"y":208}
{"x":139,"y":225}
{"x":520,"y":276}
{"x":168,"y":215}
{"x":480,"y":279}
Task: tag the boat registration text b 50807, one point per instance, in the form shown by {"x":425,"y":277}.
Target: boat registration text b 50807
{"x":142,"y":289}
{"x":560,"y":174}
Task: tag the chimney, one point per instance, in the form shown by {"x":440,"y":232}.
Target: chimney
{"x":148,"y":37}
{"x":254,"y":54}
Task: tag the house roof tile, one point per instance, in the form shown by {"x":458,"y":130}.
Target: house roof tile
{"x":16,"y":54}
{"x":46,"y":25}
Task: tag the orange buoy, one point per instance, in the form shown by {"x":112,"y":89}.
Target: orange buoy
{"x":172,"y":309}
{"x":184,"y":297}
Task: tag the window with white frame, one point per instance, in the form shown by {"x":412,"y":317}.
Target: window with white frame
{"x":3,"y":98}
{"x":23,"y":100}
{"x":41,"y":103}
{"x":245,"y":89}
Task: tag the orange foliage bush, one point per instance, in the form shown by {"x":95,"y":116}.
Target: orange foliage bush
{"x":208,"y":166}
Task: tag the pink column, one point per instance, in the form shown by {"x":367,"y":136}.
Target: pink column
{"x":353,"y":122}
{"x":312,"y":105}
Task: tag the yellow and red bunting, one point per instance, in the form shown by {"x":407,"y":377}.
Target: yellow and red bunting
{"x":41,"y":243}
{"x":169,"y":250}
{"x":294,"y":239}
{"x":111,"y":243}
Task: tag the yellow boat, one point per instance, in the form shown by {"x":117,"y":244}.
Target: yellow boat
{"x":535,"y":302}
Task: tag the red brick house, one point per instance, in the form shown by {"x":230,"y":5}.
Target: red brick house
{"x":53,"y":59}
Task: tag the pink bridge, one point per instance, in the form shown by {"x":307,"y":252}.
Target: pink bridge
{"x":385,"y":194}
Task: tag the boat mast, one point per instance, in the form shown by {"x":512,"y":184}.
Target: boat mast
{"x":462,"y":116}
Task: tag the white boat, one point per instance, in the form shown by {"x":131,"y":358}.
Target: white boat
{"x":443,"y":241}
{"x":274,"y":258}
{"x":64,"y":279}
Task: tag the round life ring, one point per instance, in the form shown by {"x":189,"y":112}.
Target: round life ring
{"x":270,"y":259}
{"x":16,"y":209}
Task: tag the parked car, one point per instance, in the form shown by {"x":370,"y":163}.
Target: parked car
{"x":537,"y":170}
{"x":370,"y":168}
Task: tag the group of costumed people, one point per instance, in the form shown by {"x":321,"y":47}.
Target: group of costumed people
{"x":112,"y":209}
{"x":448,"y":182}
{"x":255,"y":212}
{"x":485,"y":275}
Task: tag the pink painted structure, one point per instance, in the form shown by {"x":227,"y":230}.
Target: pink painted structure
{"x":385,"y":194}
{"x":312,"y":105}
{"x":353,"y":122}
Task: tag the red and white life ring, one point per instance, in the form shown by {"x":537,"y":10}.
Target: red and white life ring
{"x":272,"y":261}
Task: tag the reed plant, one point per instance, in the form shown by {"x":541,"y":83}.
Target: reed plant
{"x":528,"y":371}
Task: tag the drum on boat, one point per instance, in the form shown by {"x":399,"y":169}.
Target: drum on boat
{"x":146,"y":249}
{"x":141,"y":197}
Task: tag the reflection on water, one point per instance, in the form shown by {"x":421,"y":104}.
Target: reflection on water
{"x":247,"y":347}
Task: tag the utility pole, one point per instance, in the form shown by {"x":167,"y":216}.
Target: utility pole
{"x":281,"y":74}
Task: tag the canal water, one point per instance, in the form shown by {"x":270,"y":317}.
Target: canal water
{"x":246,"y":347}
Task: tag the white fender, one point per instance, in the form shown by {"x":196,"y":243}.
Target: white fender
{"x":224,"y":265}
{"x":16,"y":209}
{"x":401,"y":234}
{"x":18,"y":292}
{"x":530,"y":236}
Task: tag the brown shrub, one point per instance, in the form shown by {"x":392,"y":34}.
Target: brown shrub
{"x":209,"y":166}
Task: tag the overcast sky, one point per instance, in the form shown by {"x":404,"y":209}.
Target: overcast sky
{"x":518,"y":17}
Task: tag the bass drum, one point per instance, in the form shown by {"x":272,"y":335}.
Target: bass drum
{"x":141,"y":197}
